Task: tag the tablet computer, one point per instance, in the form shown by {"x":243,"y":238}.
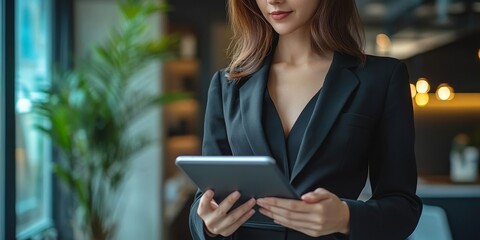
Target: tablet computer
{"x":253,"y":176}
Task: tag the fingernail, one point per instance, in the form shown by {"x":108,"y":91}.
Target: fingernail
{"x":236,"y":194}
{"x":209,"y":193}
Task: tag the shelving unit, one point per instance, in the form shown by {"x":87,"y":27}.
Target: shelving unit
{"x":181,"y":133}
{"x":181,"y":117}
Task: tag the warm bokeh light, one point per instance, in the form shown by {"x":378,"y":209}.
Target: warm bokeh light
{"x":413,"y":90}
{"x":479,"y":54}
{"x":421,"y":99}
{"x":444,"y":92}
{"x":422,"y":85}
{"x":383,"y":42}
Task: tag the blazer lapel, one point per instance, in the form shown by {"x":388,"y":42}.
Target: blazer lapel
{"x":339,"y":83}
{"x":251,"y":107}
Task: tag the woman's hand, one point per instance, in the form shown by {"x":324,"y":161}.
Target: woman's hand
{"x":218,"y":218}
{"x":318,"y":213}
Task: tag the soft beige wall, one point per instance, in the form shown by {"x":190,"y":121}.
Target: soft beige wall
{"x":140,"y":214}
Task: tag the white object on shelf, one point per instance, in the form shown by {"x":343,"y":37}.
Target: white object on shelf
{"x":464,"y":166}
{"x":188,"y":46}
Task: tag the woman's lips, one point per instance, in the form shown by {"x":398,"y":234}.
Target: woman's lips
{"x":279,"y":15}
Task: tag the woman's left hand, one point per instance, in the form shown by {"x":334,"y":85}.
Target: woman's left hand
{"x":318,"y":213}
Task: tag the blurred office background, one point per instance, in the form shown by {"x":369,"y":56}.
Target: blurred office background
{"x":439,"y":40}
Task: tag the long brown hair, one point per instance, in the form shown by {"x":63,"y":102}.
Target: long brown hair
{"x":336,"y":26}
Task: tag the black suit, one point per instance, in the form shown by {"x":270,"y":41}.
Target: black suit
{"x":362,"y":122}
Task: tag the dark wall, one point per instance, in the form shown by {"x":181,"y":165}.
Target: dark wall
{"x":456,"y":63}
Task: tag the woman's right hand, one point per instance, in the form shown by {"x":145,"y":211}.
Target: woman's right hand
{"x":218,"y":218}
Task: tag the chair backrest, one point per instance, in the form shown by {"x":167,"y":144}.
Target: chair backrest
{"x":433,"y":224}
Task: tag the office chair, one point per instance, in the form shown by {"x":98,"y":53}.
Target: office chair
{"x":433,"y":224}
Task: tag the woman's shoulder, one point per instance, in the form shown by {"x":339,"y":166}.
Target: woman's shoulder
{"x":381,"y":61}
{"x":220,"y":76}
{"x":380,"y":66}
{"x":221,"y":81}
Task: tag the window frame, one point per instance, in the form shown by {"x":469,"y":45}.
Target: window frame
{"x":62,"y":39}
{"x":61,"y":13}
{"x":2,"y":128}
{"x":7,"y":79}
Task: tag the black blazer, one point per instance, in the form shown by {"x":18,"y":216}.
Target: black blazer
{"x":362,"y":125}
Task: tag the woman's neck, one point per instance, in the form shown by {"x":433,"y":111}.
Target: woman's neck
{"x":295,"y":49}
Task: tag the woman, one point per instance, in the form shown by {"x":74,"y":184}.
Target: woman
{"x":300,"y":89}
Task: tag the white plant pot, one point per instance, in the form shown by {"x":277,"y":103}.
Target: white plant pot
{"x":464,"y":166}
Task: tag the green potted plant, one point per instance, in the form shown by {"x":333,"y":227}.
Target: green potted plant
{"x":90,"y":110}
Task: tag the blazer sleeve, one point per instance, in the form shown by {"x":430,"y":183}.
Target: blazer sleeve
{"x":215,"y":142}
{"x":394,"y":209}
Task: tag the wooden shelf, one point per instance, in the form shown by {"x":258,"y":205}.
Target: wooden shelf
{"x":182,"y":108}
{"x":182,"y":75}
{"x":179,"y":145}
{"x":184,"y":66}
{"x":443,"y":180}
{"x":184,"y":144}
